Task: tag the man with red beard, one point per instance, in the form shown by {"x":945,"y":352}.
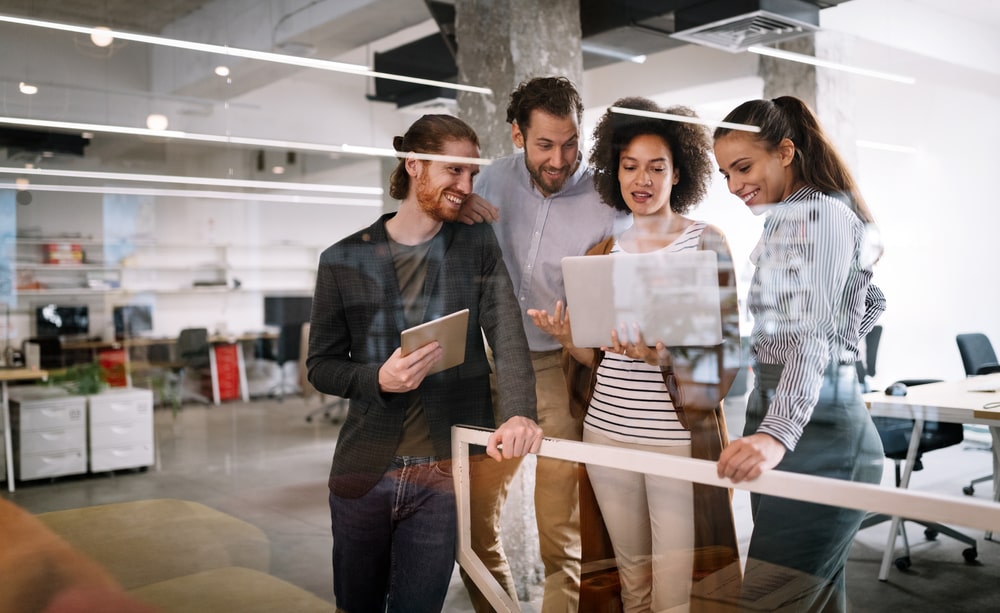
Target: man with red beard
{"x":543,"y":206}
{"x":392,"y":503}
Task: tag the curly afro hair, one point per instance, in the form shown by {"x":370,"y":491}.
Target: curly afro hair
{"x":690,"y":147}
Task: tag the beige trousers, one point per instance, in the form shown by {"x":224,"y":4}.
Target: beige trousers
{"x":650,"y":521}
{"x":557,"y":501}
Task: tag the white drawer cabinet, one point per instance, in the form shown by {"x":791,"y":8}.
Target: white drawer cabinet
{"x":49,"y":433}
{"x":121,"y":429}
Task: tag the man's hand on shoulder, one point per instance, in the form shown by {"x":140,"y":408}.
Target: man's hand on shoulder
{"x":477,"y":209}
{"x":518,"y":436}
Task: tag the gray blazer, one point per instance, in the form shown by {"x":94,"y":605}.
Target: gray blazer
{"x":357,"y":317}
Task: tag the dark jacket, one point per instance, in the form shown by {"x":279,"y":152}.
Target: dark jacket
{"x":357,"y":317}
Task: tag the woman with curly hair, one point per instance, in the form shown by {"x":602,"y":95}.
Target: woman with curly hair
{"x":646,"y":398}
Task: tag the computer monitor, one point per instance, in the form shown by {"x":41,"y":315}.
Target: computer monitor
{"x":55,"y":320}
{"x":132,"y":320}
{"x":280,"y":310}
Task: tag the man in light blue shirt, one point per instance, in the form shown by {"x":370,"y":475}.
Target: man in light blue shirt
{"x":543,"y":207}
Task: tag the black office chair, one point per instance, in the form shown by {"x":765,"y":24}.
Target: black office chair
{"x":50,"y":352}
{"x":333,"y":411}
{"x":895,"y":434}
{"x":194,"y":351}
{"x":866,"y":367}
{"x":289,"y":342}
{"x":978,"y":358}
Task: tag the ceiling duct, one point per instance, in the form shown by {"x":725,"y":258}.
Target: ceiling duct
{"x":27,"y":144}
{"x":431,"y":57}
{"x":735,"y":26}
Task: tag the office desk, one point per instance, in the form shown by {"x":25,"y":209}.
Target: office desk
{"x":13,"y":374}
{"x":949,"y":401}
{"x":217,"y":341}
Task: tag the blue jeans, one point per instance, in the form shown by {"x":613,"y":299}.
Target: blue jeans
{"x":394,"y":547}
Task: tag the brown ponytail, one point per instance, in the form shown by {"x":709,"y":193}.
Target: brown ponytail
{"x":816,"y":161}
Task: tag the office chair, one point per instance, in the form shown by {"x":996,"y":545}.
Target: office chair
{"x":289,"y":342}
{"x":194,"y":352}
{"x":333,"y":411}
{"x":50,"y":352}
{"x":895,"y":434}
{"x":978,"y":358}
{"x":866,"y":367}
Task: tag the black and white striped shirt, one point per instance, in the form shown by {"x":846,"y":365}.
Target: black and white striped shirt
{"x":811,"y":301}
{"x":630,"y":401}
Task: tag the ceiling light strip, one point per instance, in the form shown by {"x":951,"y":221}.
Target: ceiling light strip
{"x":264,"y":56}
{"x":230,"y":140}
{"x":420,"y":156}
{"x":815,"y":61}
{"x":210,"y":181}
{"x":685,"y":119}
{"x":190,"y":193}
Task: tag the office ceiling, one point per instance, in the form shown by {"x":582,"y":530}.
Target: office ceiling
{"x":129,"y":15}
{"x":331,"y":28}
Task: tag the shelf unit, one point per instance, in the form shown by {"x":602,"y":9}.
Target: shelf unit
{"x":159,"y":268}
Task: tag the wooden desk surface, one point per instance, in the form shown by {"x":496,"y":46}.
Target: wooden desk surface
{"x":165,"y":340}
{"x":22,"y":374}
{"x":949,"y":401}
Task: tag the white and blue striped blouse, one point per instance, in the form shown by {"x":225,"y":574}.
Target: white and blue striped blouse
{"x":811,"y":301}
{"x":630,"y":402}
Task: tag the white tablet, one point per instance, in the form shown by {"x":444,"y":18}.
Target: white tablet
{"x":449,"y":330}
{"x":674,"y":297}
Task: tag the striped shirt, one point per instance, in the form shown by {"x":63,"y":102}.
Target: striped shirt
{"x":630,"y":401}
{"x":811,"y":301}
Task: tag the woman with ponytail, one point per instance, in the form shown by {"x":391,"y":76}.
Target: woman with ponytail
{"x":812,"y":301}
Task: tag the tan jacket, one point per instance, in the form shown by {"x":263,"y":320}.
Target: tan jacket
{"x":715,"y":540}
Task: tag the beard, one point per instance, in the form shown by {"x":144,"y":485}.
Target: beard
{"x":545,"y":184}
{"x":430,"y":199}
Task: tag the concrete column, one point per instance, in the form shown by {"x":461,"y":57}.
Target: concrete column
{"x":501,"y":43}
{"x":829,"y":93}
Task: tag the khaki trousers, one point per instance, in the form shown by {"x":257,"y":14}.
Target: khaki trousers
{"x":557,"y":503}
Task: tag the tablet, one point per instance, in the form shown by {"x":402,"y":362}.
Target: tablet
{"x":449,"y":330}
{"x":674,"y":297}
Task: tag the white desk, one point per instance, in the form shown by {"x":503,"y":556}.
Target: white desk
{"x":13,"y":374}
{"x":949,"y":401}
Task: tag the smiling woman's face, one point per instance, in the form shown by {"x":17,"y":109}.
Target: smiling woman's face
{"x":647,"y":175}
{"x":755,"y":174}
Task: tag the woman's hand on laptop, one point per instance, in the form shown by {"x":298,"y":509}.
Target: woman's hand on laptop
{"x":657,"y":355}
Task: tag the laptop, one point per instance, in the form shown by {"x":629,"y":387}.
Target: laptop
{"x":674,"y":297}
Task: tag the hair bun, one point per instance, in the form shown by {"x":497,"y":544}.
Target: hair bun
{"x":397,"y":143}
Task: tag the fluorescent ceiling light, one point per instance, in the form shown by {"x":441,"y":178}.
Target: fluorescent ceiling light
{"x":870,"y":144}
{"x":685,"y":119}
{"x":420,"y":156}
{"x":208,"y":181}
{"x":230,"y":140}
{"x":27,"y":88}
{"x":249,"y":54}
{"x":191,"y":193}
{"x":612,"y":53}
{"x":176,"y":134}
{"x":815,"y":61}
